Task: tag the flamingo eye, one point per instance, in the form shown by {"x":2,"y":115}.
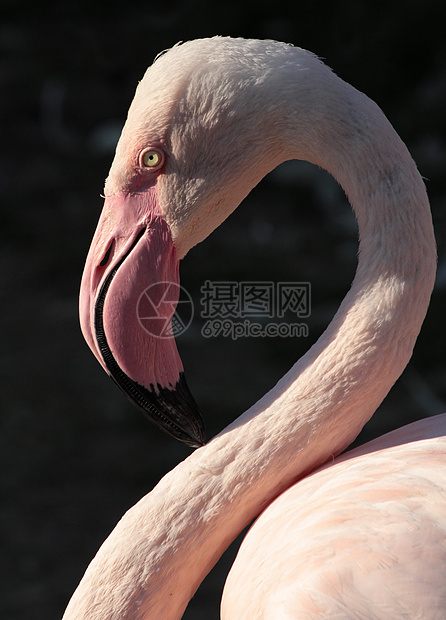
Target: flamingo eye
{"x":153,"y":159}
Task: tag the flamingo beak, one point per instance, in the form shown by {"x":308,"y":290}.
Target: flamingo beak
{"x":129,"y":292}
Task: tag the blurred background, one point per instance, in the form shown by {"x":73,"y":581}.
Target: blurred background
{"x":75,"y":455}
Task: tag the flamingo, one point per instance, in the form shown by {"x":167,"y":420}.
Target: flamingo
{"x":358,"y":535}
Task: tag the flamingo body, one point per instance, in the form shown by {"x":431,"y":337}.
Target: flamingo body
{"x":357,"y":536}
{"x":332,"y":547}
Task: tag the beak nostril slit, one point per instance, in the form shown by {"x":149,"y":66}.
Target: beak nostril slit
{"x":106,"y":258}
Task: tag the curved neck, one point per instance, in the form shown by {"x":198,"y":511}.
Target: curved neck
{"x":183,"y":526}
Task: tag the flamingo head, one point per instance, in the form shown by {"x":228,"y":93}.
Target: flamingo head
{"x":198,"y":137}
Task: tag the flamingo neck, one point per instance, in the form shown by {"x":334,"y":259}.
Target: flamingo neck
{"x":183,"y":526}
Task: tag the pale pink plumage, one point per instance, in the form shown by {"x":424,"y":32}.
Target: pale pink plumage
{"x":368,"y":536}
{"x":362,"y":537}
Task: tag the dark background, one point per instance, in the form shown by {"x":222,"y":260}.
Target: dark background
{"x":74,"y":454}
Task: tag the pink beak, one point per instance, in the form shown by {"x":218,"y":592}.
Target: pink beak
{"x":129,"y":292}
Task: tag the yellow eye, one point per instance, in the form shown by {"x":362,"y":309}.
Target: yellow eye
{"x":152,"y":159}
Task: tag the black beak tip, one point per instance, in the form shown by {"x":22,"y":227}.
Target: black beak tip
{"x":178,"y":414}
{"x":193,"y":442}
{"x":172,"y":409}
